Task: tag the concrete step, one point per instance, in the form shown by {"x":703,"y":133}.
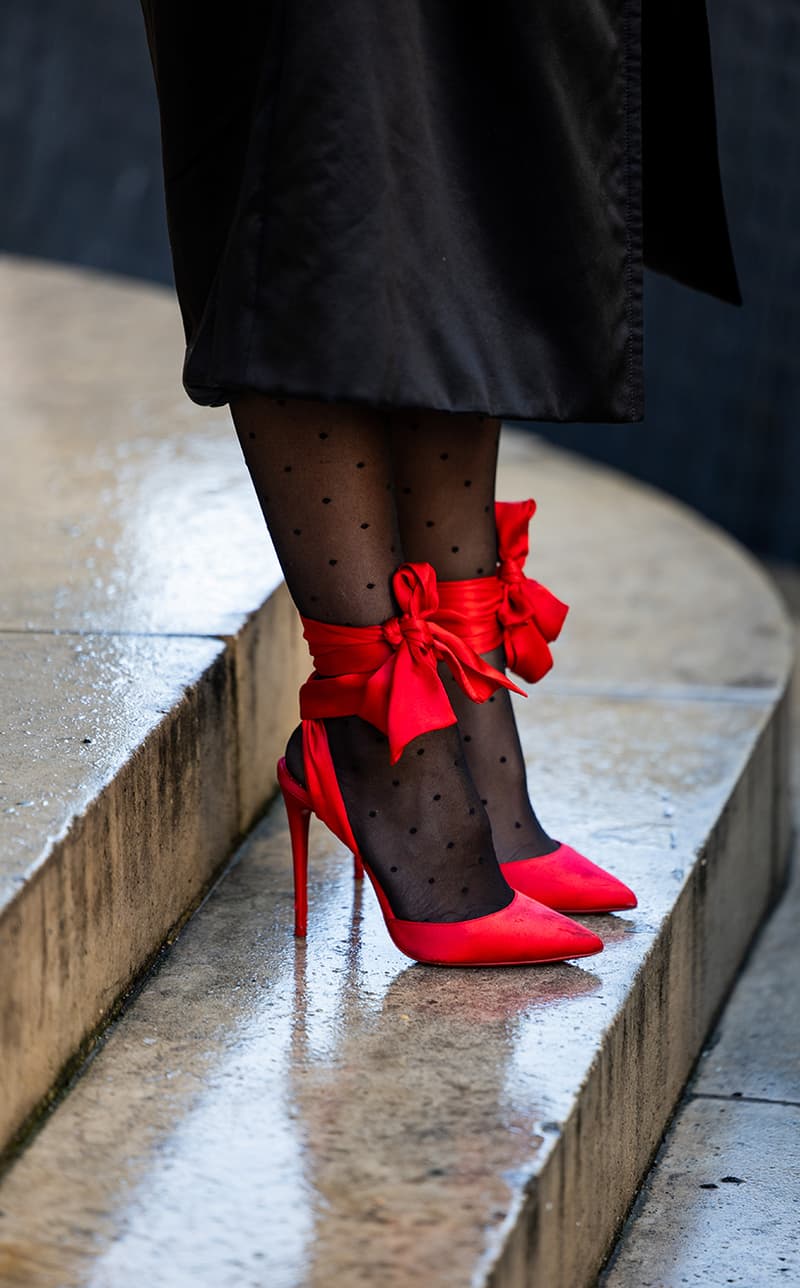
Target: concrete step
{"x":720,"y":1205}
{"x":149,"y":656}
{"x":273,"y":1112}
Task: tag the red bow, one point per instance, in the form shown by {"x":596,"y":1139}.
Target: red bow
{"x":530,"y":614}
{"x":388,"y":674}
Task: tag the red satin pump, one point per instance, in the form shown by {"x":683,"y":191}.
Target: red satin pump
{"x":389,"y":676}
{"x":523,"y":616}
{"x":569,"y":882}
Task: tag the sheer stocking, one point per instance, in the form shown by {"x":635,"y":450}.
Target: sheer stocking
{"x":324,"y":478}
{"x":445,"y":469}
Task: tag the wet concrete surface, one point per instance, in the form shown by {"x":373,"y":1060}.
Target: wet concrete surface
{"x":131,"y":508}
{"x":323,"y":1113}
{"x":118,"y":802}
{"x":722,"y":1203}
{"x":660,"y":599}
{"x":74,"y":709}
{"x":149,"y":655}
{"x":756,"y":1050}
{"x":268,"y":1112}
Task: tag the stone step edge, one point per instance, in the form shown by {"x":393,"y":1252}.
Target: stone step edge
{"x":559,"y":1235}
{"x":74,"y":942}
{"x":581,"y":1167}
{"x":239,"y":659}
{"x":94,"y":1039}
{"x":572,"y":1215}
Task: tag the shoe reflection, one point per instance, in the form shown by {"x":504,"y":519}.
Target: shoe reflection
{"x":413,"y":1106}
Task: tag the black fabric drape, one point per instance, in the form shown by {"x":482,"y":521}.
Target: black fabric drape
{"x":432,"y":204}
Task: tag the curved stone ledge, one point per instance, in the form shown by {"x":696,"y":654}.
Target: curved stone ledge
{"x":149,"y":658}
{"x":306,"y":1114}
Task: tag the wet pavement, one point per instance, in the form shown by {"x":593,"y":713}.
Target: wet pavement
{"x":149,"y":656}
{"x":285,"y":1113}
{"x":278,"y":1113}
{"x":722,"y":1204}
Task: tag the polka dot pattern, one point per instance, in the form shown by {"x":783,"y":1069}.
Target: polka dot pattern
{"x":435,"y":862}
{"x":351,"y":493}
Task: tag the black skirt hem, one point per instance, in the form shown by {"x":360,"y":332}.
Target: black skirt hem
{"x":207,"y":396}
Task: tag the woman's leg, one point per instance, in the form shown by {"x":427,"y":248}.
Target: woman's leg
{"x":324,"y":478}
{"x":445,"y":468}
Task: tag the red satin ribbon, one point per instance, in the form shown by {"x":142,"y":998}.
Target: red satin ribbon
{"x":508,"y":608}
{"x":387,"y":674}
{"x":531,"y":616}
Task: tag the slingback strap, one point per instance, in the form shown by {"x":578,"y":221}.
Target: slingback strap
{"x":509,"y":608}
{"x":387,"y":674}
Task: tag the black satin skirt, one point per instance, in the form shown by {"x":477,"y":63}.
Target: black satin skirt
{"x":431,"y":204}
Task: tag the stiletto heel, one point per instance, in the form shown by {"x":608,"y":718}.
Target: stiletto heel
{"x":523,"y":616}
{"x":394,"y":683}
{"x":523,"y":933}
{"x":298,"y":813}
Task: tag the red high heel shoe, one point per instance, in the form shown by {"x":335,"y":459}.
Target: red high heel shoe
{"x":525,"y":617}
{"x":388,"y":675}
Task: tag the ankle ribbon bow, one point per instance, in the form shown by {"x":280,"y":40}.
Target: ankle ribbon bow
{"x":530,"y":615}
{"x":388,"y":674}
{"x":507,"y":608}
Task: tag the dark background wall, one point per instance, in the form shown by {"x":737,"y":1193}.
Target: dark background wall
{"x":722,"y":384}
{"x":79,"y":150}
{"x":81,"y":182}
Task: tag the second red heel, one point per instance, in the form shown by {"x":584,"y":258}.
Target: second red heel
{"x":298,"y":813}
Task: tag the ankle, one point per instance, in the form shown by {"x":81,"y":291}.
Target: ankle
{"x":294,"y":756}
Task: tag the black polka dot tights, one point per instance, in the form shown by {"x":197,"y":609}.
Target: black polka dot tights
{"x":348,"y":494}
